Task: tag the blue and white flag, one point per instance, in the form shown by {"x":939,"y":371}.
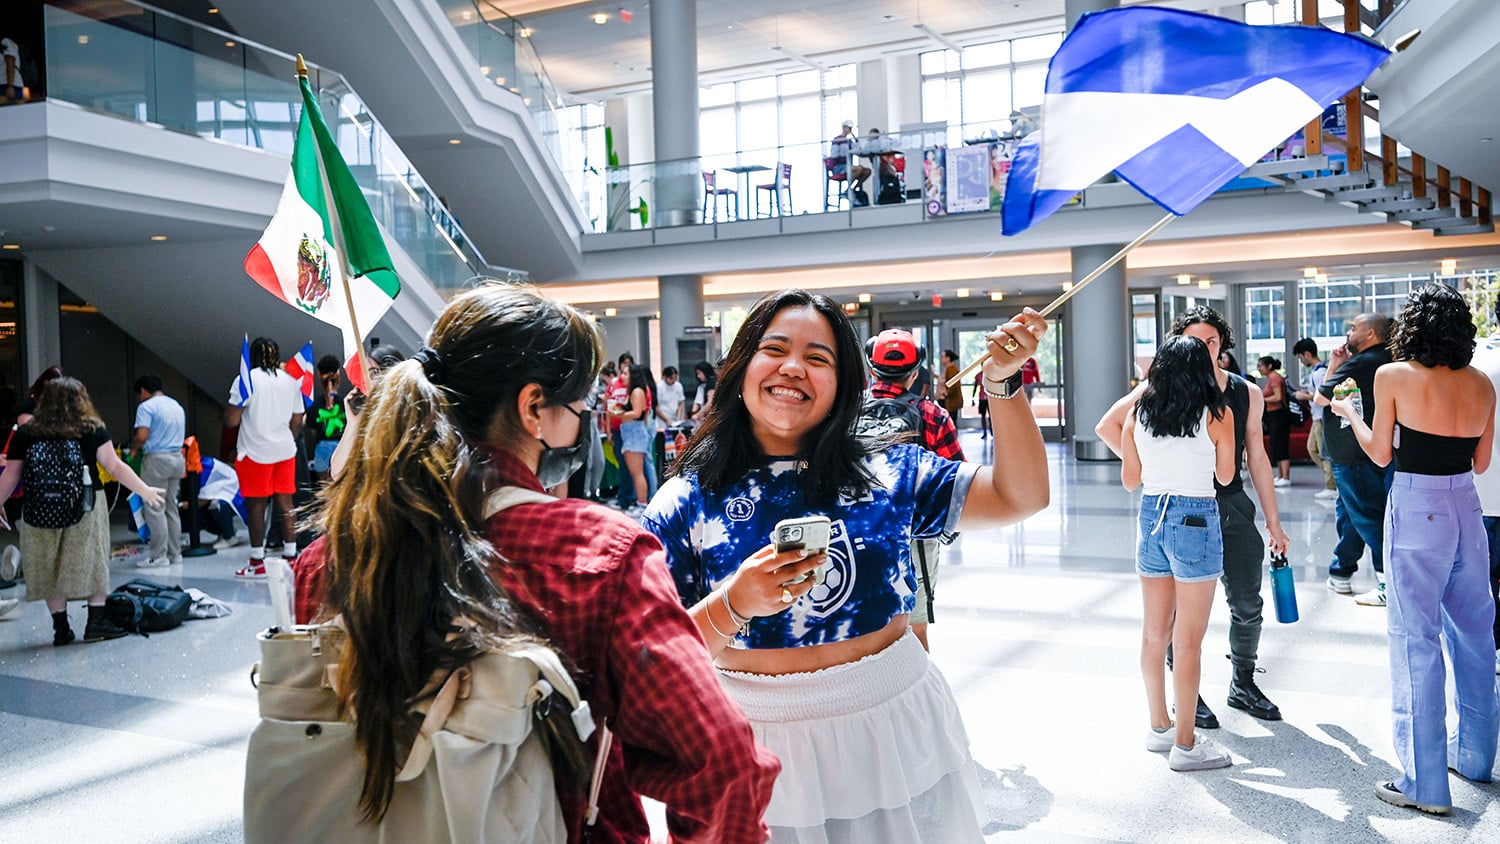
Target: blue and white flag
{"x":240,"y":392}
{"x":1177,"y":103}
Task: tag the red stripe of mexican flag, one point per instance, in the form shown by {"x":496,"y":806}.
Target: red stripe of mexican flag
{"x":297,"y":258}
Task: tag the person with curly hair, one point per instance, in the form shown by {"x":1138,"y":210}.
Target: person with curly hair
{"x":1178,"y":440}
{"x":1435,"y":419}
{"x":266,"y":448}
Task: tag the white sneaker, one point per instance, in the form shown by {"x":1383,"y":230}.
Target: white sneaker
{"x":1282,"y":482}
{"x":10,"y":562}
{"x":229,"y":543}
{"x":1340,"y":585}
{"x":1326,"y":495}
{"x":253,"y":570}
{"x":153,"y":563}
{"x":1161,"y":742}
{"x":1204,"y":756}
{"x":1373,"y":598}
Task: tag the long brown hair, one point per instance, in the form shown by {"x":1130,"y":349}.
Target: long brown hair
{"x":407,"y":548}
{"x":64,"y":410}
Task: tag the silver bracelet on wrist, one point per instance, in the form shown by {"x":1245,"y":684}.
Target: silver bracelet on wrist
{"x":740,"y":621}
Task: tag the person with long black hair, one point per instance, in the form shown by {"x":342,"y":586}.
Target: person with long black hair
{"x":637,"y":430}
{"x":1177,"y":440}
{"x":1277,"y":419}
{"x":1435,"y":417}
{"x":872,"y":745}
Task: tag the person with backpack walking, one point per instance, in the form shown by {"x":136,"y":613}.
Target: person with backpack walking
{"x":817,"y":648}
{"x":64,"y":530}
{"x":1177,"y":440}
{"x":424,"y":577}
{"x":892,"y":411}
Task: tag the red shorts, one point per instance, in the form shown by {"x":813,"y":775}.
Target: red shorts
{"x":261,"y":480}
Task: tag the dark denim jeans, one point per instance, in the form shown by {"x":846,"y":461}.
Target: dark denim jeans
{"x":1363,"y":488}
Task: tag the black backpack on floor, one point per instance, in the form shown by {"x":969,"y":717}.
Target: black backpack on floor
{"x":141,"y":606}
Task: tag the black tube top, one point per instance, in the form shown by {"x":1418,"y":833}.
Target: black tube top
{"x":1430,"y":454}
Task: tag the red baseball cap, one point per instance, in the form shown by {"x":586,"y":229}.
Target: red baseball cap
{"x":893,"y":353}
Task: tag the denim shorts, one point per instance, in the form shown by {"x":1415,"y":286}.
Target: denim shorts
{"x":633,"y":437}
{"x":1179,"y":536}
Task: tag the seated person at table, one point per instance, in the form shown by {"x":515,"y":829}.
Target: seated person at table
{"x":838,"y":159}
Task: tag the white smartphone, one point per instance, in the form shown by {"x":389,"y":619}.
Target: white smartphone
{"x":809,"y":532}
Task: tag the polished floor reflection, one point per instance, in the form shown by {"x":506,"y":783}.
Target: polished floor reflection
{"x":1037,"y":629}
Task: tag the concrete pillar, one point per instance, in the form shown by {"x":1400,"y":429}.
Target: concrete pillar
{"x":903,"y":81}
{"x":681,"y":305}
{"x":870,"y":96}
{"x":1099,"y":370}
{"x":674,"y":90}
{"x":1074,"y":9}
{"x":40,"y":320}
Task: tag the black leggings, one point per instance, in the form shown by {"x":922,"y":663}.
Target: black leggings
{"x":1278,"y":425}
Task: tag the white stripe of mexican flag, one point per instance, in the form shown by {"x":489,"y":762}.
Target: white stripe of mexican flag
{"x":298,"y":257}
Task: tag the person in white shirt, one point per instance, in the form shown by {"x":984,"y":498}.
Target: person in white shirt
{"x":1487,"y":360}
{"x":12,"y":86}
{"x":268,"y":422}
{"x":1307,"y":354}
{"x":670,"y":397}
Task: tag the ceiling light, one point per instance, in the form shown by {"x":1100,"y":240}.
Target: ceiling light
{"x":524,"y":32}
{"x":484,"y":69}
{"x":500,"y":80}
{"x":12,"y":246}
{"x":963,"y":292}
{"x":791,"y":54}
{"x":213,"y":11}
{"x":83,"y":39}
{"x":1450,"y":266}
{"x":525,"y":101}
{"x":467,"y":14}
{"x":1309,"y":272}
{"x":601,"y":18}
{"x":1321,"y":278}
{"x":865,"y":298}
{"x":1184,"y":279}
{"x":851,"y":307}
{"x":611,"y":311}
{"x":455,"y":141}
{"x":997,"y":296}
{"x":938,"y":37}
{"x":228,"y":43}
{"x":1066,"y":286}
{"x":158,"y":237}
{"x":1204,"y":284}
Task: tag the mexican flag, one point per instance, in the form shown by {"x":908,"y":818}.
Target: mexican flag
{"x":322,"y":233}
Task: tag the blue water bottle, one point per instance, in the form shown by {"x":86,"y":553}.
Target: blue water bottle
{"x":1281,"y":589}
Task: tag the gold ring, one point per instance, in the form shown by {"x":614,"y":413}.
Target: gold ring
{"x":1011,"y":345}
{"x":786,"y":595}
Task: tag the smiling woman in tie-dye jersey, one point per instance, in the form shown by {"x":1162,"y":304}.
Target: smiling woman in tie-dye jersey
{"x":871,"y":742}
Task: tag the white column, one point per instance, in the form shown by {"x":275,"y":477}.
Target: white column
{"x":1100,"y":367}
{"x":40,"y":319}
{"x":674,"y":89}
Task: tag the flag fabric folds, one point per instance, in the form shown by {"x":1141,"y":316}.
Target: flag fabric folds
{"x":322,"y":232}
{"x":301,"y":368}
{"x":241,"y":390}
{"x":1177,"y":103}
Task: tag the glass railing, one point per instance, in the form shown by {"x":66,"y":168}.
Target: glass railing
{"x":154,"y":67}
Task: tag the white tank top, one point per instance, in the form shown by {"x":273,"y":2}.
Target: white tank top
{"x":1177,"y":465}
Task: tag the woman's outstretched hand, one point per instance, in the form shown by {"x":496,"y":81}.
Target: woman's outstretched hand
{"x":1013,"y":343}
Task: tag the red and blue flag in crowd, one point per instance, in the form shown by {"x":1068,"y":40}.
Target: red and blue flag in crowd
{"x":1176,"y":103}
{"x":301,"y":368}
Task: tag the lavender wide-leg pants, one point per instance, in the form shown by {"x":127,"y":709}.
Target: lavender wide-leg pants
{"x":1437,"y":562}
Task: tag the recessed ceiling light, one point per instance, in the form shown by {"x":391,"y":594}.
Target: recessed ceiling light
{"x":83,"y":39}
{"x":213,"y":11}
{"x":524,"y":32}
{"x":1309,"y":272}
{"x":484,"y":69}
{"x":158,"y":237}
{"x":865,"y":298}
{"x":1204,"y":284}
{"x":997,"y":296}
{"x":455,"y":141}
{"x":228,"y":43}
{"x":1321,"y":278}
{"x":963,"y":292}
{"x":1449,"y":266}
{"x":467,"y":14}
{"x":526,"y":101}
{"x":610,"y":311}
{"x":500,"y":80}
{"x":1184,"y":279}
{"x":1066,"y":286}
{"x":12,"y":246}
{"x":601,"y":18}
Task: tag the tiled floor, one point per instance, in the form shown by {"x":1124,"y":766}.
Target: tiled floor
{"x":1037,"y":630}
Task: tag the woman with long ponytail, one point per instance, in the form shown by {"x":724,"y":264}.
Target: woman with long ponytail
{"x":496,"y":400}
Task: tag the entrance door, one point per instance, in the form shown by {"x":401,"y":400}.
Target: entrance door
{"x":1047,"y":403}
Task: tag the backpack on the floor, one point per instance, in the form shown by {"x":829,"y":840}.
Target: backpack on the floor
{"x":59,"y":488}
{"x":141,"y":606}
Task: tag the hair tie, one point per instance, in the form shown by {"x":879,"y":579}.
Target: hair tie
{"x":432,"y":364}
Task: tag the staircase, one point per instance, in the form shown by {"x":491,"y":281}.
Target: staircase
{"x":1402,"y":199}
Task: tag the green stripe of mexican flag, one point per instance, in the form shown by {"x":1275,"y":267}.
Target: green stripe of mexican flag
{"x":297,"y":258}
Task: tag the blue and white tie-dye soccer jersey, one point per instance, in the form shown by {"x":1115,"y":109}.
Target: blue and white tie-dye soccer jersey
{"x":870,"y":577}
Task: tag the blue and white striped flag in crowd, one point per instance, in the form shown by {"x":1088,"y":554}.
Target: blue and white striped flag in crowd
{"x":240,"y":392}
{"x":1177,"y":103}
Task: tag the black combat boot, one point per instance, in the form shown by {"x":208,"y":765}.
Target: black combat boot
{"x":100,"y":627}
{"x":1244,"y":694}
{"x":62,"y":633}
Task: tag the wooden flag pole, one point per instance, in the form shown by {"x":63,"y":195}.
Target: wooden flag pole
{"x":338,"y":248}
{"x":1073,"y":291}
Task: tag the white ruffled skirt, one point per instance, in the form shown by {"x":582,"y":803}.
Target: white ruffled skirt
{"x":872,"y":752}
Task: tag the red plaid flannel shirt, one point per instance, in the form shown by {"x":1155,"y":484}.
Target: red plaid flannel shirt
{"x":599,"y":586}
{"x":939,"y":434}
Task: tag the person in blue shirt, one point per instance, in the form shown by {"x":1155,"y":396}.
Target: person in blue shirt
{"x":160,"y":428}
{"x":870,"y":739}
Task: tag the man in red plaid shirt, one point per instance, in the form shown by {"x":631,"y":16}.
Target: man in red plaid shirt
{"x":895,"y":360}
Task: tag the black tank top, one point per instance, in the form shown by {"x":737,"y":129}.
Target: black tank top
{"x":1431,"y":454}
{"x":1237,"y":396}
